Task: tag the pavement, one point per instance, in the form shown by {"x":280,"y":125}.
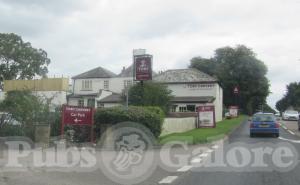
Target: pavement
{"x":191,"y":172}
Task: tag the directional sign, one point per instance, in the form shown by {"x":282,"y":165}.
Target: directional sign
{"x":77,"y":115}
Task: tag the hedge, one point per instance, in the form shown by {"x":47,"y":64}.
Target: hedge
{"x":150,"y":117}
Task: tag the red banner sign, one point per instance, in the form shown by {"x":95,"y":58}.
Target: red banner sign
{"x":143,"y":67}
{"x":77,"y":115}
{"x":206,"y":116}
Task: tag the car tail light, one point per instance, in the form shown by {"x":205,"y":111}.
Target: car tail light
{"x":277,"y":125}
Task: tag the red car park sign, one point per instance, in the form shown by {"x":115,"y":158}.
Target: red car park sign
{"x":73,"y":115}
{"x":77,"y":115}
{"x":143,"y":67}
{"x":236,"y":90}
{"x":206,"y":116}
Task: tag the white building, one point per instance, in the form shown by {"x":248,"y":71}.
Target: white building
{"x":100,"y":87}
{"x":192,"y":88}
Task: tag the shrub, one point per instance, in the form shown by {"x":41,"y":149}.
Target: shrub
{"x":150,"y":117}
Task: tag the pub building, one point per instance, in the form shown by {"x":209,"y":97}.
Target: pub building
{"x":191,"y":88}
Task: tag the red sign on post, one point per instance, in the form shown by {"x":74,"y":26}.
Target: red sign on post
{"x":206,"y":116}
{"x":143,"y":67}
{"x":236,"y":90}
{"x":72,"y":115}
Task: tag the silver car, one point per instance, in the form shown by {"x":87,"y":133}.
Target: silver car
{"x":290,"y":115}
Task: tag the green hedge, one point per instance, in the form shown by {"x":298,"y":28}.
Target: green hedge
{"x":151,"y":117}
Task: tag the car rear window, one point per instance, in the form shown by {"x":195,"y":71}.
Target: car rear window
{"x":263,"y":117}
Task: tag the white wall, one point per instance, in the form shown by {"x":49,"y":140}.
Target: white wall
{"x":115,"y":85}
{"x":2,"y":95}
{"x":191,"y":90}
{"x":58,"y":97}
{"x":177,"y":125}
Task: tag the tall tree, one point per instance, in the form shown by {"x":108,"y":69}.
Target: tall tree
{"x":238,"y":67}
{"x":150,"y":94}
{"x":207,"y":66}
{"x":19,"y":60}
{"x":291,"y":98}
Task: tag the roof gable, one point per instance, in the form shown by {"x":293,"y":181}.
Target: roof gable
{"x":98,"y":72}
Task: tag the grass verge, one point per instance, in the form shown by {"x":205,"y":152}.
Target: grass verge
{"x":205,"y":135}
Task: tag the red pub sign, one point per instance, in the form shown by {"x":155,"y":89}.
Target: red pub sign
{"x":143,"y":67}
{"x":206,"y":116}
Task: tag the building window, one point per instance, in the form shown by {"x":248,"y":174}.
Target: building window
{"x":127,"y":83}
{"x":191,"y":108}
{"x":106,"y":84}
{"x":86,"y":85}
{"x":173,"y":109}
{"x":182,"y":109}
{"x":100,"y":105}
{"x":80,"y":103}
{"x":91,"y":103}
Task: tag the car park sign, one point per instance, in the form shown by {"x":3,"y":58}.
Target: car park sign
{"x":206,"y":116}
{"x":233,"y":111}
{"x":80,"y":116}
{"x":77,"y":115}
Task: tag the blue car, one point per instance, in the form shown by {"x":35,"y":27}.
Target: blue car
{"x":264,"y":123}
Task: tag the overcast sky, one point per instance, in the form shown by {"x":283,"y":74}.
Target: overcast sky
{"x":83,"y":34}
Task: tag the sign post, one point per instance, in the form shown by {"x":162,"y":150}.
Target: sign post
{"x":206,"y":116}
{"x":73,"y":115}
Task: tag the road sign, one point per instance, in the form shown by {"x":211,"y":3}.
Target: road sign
{"x":143,"y":67}
{"x":77,"y":115}
{"x":73,"y":115}
{"x":206,"y":116}
{"x":236,"y":90}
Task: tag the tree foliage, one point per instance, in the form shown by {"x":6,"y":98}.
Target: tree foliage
{"x":27,"y":109}
{"x":291,"y":98}
{"x":150,"y":94}
{"x":237,"y":67}
{"x":19,"y":60}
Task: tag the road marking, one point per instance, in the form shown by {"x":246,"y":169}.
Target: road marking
{"x":168,"y":180}
{"x":284,"y":127}
{"x":215,"y":147}
{"x":184,"y":168}
{"x":291,"y":132}
{"x":196,"y":160}
{"x":291,"y":140}
{"x":203,"y":155}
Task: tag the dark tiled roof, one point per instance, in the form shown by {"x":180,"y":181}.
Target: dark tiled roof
{"x":183,"y":76}
{"x":98,"y":72}
{"x":193,"y":99}
{"x":114,"y":98}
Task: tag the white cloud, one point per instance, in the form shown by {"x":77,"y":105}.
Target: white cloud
{"x":79,"y":35}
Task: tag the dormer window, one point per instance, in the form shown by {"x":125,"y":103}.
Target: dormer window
{"x":106,"y":84}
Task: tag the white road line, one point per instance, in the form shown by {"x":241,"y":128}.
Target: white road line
{"x":215,"y":147}
{"x":291,"y":132}
{"x":203,"y":155}
{"x":168,"y":180}
{"x":291,"y":140}
{"x":184,"y":168}
{"x":196,"y":160}
{"x":284,"y":127}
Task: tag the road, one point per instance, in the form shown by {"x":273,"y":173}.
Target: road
{"x":291,"y":177}
{"x":188,"y":174}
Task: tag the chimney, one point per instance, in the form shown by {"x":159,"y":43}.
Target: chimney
{"x":123,"y":69}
